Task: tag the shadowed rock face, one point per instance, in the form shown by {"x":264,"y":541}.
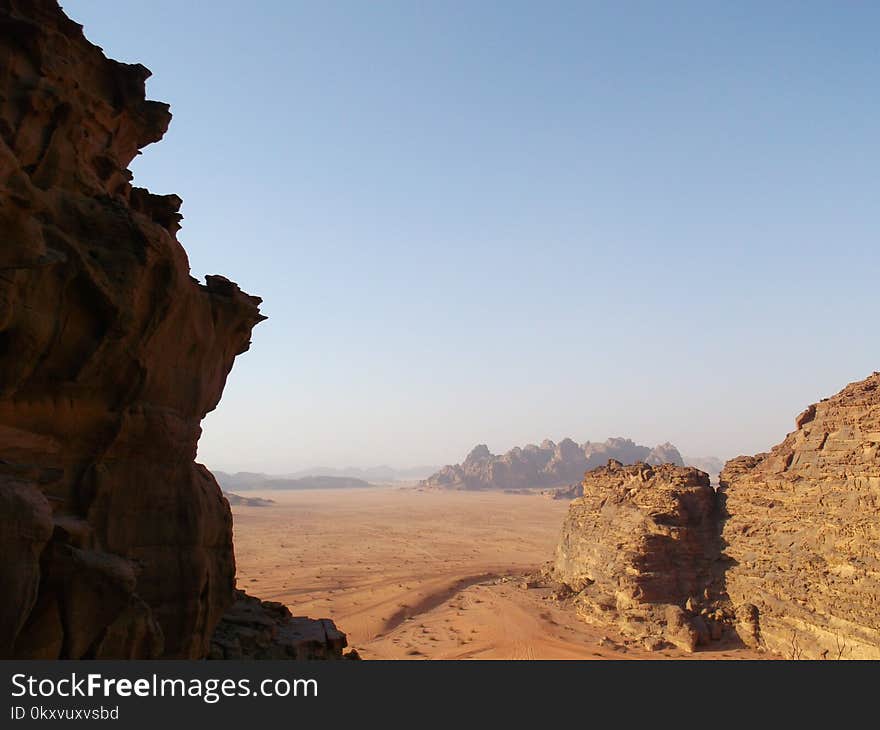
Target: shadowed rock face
{"x":640,"y":550}
{"x":255,"y":629}
{"x":802,"y":532}
{"x":547,"y":465}
{"x":114,"y":542}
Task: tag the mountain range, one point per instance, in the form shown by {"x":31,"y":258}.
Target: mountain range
{"x":547,"y":465}
{"x":243,"y":481}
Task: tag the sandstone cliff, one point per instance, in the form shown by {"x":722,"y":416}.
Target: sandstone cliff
{"x":547,"y":465}
{"x":802,"y":532}
{"x":114,"y":542}
{"x":640,"y":548}
{"x":785,"y":553}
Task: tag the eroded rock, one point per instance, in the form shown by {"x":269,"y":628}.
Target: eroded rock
{"x":114,"y":542}
{"x":640,"y":550}
{"x":802,"y":533}
{"x":255,"y":629}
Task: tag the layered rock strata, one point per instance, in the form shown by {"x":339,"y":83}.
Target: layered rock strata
{"x":785,"y":553}
{"x":802,"y":533}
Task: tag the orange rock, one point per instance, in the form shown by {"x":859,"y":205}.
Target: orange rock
{"x":802,"y":532}
{"x":118,"y":544}
{"x":639,"y":547}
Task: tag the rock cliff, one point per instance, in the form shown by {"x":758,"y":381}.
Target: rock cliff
{"x":640,"y":548}
{"x":802,"y":532}
{"x":547,"y":465}
{"x":115,"y":543}
{"x":785,"y":554}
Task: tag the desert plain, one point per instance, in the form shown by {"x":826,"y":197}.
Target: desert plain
{"x":424,"y":574}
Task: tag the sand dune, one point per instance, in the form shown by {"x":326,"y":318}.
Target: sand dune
{"x":413,"y":574}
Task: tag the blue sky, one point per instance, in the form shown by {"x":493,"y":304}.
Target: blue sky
{"x":504,"y":221}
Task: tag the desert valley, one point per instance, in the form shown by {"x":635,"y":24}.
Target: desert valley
{"x":638,"y":560}
{"x":416,"y":574}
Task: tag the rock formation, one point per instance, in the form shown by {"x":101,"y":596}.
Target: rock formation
{"x":640,"y":548}
{"x":236,"y":500}
{"x":570,"y":492}
{"x":712,"y":465}
{"x":115,"y":543}
{"x":802,"y":532}
{"x":788,"y":558}
{"x":255,"y":629}
{"x":547,"y":465}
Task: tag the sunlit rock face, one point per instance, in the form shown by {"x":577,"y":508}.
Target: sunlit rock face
{"x":802,"y":532}
{"x":115,"y":543}
{"x":639,"y":549}
{"x":786,"y":553}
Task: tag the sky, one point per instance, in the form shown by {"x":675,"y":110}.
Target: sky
{"x":499,"y":222}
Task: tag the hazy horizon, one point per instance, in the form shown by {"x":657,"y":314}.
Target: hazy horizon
{"x":504,"y":222}
{"x":310,"y":467}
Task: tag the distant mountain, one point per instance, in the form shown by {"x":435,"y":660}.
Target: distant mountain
{"x":383,"y":473}
{"x":547,"y":465}
{"x":239,"y":481}
{"x":236,"y":500}
{"x":244,"y":481}
{"x":712,"y":465}
{"x":316,"y":482}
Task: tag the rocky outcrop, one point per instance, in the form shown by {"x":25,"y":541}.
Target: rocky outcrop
{"x":572,"y":491}
{"x":236,"y":500}
{"x":640,"y":550}
{"x":547,"y":465}
{"x":788,"y":558}
{"x":114,"y":542}
{"x":712,"y":465}
{"x":255,"y":629}
{"x":802,"y":532}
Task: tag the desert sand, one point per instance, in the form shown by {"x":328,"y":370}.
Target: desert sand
{"x":411,"y":574}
